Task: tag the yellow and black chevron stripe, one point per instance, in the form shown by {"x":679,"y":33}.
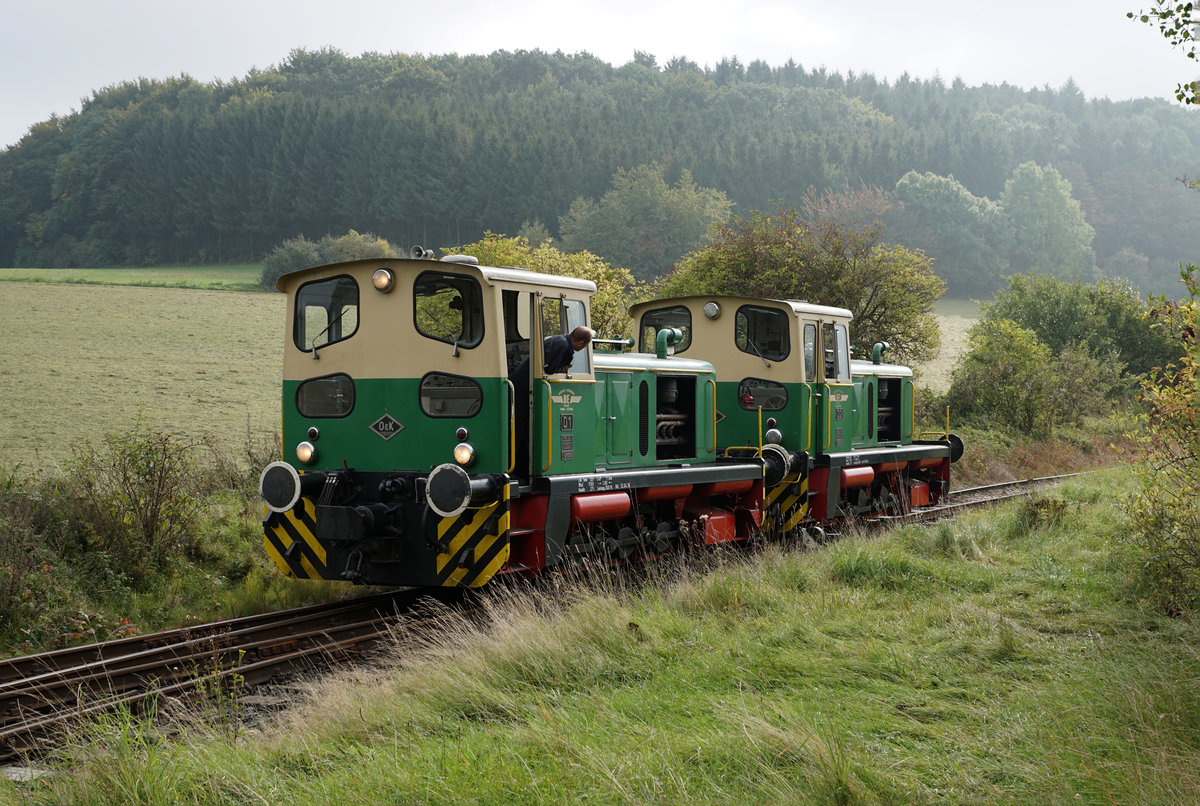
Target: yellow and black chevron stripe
{"x":291,"y":541}
{"x":790,"y":499}
{"x":478,"y":543}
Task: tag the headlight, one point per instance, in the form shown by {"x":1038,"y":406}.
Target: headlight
{"x":383,"y":280}
{"x":773,"y":436}
{"x":306,"y":452}
{"x":464,"y":454}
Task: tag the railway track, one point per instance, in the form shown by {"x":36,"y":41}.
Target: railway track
{"x":42,"y":694}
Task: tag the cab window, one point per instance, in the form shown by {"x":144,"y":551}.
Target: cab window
{"x":448,"y":307}
{"x":810,"y":352}
{"x":836,"y":341}
{"x":676,"y":316}
{"x":559,"y":317}
{"x":843,"y":349}
{"x":762,"y":332}
{"x":326,"y":312}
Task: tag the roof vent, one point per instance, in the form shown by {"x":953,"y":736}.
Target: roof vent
{"x":465,"y":259}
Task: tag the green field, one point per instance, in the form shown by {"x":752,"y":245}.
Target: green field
{"x":215,"y":278}
{"x":83,"y":361}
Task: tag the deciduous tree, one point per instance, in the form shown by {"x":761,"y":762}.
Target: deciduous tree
{"x":890,"y":289}
{"x":1050,"y":234}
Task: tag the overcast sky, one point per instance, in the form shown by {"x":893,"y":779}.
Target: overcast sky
{"x":56,"y":52}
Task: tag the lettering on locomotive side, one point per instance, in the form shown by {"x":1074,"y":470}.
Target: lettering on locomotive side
{"x":567,"y":447}
{"x":601,"y":484}
{"x":566,"y":422}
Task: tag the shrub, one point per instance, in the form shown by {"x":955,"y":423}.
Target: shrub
{"x":1006,"y":376}
{"x":132,"y":499}
{"x":291,"y":255}
{"x":1105,"y":318}
{"x":1164,"y":514}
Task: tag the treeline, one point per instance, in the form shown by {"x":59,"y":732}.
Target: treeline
{"x":439,"y":149}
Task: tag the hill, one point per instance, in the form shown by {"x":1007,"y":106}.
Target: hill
{"x":437,"y":149}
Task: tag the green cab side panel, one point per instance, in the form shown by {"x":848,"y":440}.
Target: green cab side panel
{"x":386,"y":429}
{"x":740,"y":427}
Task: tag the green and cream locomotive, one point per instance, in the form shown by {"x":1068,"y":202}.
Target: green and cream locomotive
{"x":407,"y":463}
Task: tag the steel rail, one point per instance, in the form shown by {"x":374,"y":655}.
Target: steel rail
{"x":36,"y":708}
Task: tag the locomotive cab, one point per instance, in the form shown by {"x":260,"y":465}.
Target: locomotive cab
{"x":786,"y":382}
{"x":401,"y":445}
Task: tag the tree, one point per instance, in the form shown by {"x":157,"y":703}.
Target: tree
{"x":1175,"y":23}
{"x":967,"y":236}
{"x":1050,"y":234}
{"x":615,"y":287}
{"x":642,"y":222}
{"x":1110,"y":318}
{"x":890,"y":289}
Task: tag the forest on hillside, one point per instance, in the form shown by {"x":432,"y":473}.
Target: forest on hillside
{"x":438,"y":149}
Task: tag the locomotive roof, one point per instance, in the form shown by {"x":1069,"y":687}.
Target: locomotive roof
{"x":798,"y":307}
{"x":491,"y":275}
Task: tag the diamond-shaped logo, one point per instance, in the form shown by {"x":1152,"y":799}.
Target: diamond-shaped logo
{"x":387,"y":427}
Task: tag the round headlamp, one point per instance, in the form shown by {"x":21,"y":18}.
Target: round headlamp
{"x":306,"y":452}
{"x":464,"y":454}
{"x":773,"y":436}
{"x":383,"y":280}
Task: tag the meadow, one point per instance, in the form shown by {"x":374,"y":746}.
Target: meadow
{"x":81,"y":361}
{"x":954,"y":318}
{"x":243,"y":277}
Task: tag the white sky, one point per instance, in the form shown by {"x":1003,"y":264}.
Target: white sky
{"x":56,"y":52}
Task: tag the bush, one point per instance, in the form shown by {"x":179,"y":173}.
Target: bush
{"x":1011,"y":378}
{"x":1105,"y":318}
{"x":1164,"y":514}
{"x":1005,"y":376}
{"x":131,"y":498}
{"x":300,"y":253}
{"x":291,"y":255}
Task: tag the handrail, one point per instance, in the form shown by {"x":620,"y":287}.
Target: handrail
{"x":811,"y":417}
{"x":714,"y":414}
{"x":512,"y":427}
{"x":828,"y":417}
{"x":549,"y":429}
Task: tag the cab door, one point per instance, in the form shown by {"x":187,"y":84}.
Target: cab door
{"x":563,"y":418}
{"x":840,"y":412}
{"x":827,"y":371}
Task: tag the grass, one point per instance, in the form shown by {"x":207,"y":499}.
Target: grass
{"x":82,"y":361}
{"x":996,"y":659}
{"x":242,"y":277}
